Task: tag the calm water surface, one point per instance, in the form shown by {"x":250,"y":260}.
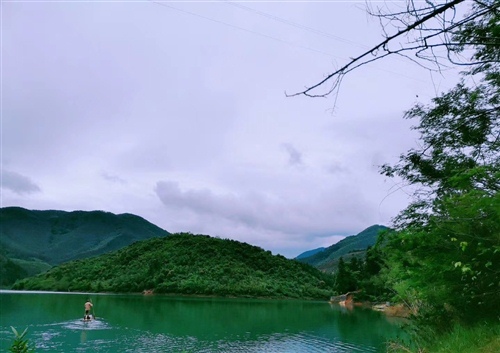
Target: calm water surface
{"x":150,"y":324}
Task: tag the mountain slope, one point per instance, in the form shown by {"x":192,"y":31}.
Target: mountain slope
{"x":37,"y":240}
{"x":188,"y":264}
{"x":59,"y":236}
{"x":309,"y":253}
{"x":354,"y":245}
{"x":10,"y":271}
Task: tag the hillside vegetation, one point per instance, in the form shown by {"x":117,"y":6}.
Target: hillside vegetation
{"x":10,"y":271}
{"x":352,"y":246}
{"x":36,"y":240}
{"x":188,"y":264}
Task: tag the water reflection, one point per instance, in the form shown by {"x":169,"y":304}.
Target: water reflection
{"x":135,"y":323}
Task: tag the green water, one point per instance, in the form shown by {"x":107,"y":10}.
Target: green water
{"x":136,"y":323}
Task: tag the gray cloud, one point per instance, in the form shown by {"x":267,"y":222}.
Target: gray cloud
{"x":18,"y":183}
{"x":249,"y":210}
{"x":335,"y":168}
{"x":284,"y":211}
{"x":288,"y":221}
{"x":294,"y":156}
{"x":113,"y":178}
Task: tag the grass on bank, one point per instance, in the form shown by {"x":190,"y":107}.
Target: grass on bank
{"x":484,"y":338}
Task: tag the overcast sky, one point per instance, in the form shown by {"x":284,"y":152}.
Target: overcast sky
{"x":176,"y":112}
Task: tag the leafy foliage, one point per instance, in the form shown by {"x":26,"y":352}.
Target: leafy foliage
{"x":20,"y":344}
{"x":346,"y":276}
{"x":445,"y":257}
{"x":362,"y":275}
{"x":188,"y":264}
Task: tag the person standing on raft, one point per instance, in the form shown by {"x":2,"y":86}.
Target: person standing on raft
{"x":88,"y":306}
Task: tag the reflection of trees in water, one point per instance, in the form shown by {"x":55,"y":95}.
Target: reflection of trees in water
{"x":363,"y":325}
{"x":232,"y":318}
{"x":31,"y":308}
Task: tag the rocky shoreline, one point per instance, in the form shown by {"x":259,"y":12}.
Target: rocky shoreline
{"x":393,"y":310}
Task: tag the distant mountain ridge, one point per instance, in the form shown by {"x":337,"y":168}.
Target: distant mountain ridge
{"x":309,"y":253}
{"x":354,"y":245}
{"x":46,"y":238}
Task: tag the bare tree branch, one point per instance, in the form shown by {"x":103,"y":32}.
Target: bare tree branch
{"x":436,"y":25}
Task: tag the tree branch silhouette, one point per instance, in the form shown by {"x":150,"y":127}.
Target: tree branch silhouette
{"x":434,"y":30}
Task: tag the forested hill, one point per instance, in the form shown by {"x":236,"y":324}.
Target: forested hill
{"x":35,"y":240}
{"x":188,"y":264}
{"x":354,"y":245}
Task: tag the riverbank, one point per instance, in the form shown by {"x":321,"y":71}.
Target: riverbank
{"x":393,"y":310}
{"x":484,"y":338}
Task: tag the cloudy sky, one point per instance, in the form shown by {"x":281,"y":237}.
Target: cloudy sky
{"x":176,"y":111}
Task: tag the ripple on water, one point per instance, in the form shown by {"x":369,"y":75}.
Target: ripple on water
{"x":275,"y":343}
{"x":85,"y":325}
{"x":45,"y":340}
{"x":56,"y":337}
{"x":156,"y":343}
{"x":297,"y":343}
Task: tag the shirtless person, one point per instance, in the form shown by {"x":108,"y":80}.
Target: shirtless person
{"x":88,"y":306}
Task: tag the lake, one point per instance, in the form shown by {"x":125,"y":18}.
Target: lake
{"x":149,"y":324}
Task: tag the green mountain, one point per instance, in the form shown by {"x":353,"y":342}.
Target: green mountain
{"x":351,"y":246}
{"x":188,"y":264}
{"x":309,"y":253}
{"x":37,"y":240}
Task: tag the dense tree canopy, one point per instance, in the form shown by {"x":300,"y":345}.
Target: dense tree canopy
{"x":445,"y":257}
{"x":188,"y":264}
